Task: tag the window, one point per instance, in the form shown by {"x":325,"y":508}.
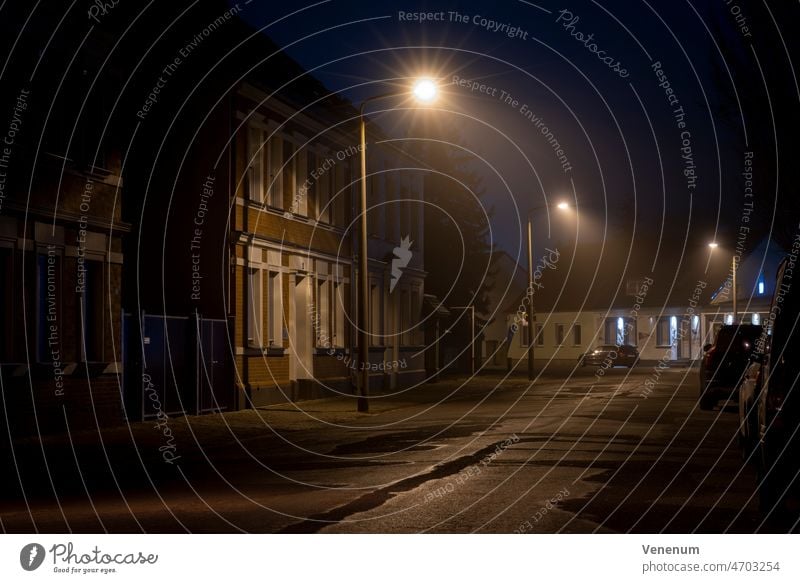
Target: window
{"x":576,"y":335}
{"x":299,"y":198}
{"x":91,"y":313}
{"x":342,"y":194}
{"x":289,"y":164}
{"x":340,"y":295}
{"x":275,"y":175}
{"x":275,"y":309}
{"x":255,"y":337}
{"x":662,"y":332}
{"x":323,"y":315}
{"x":265,"y":313}
{"x":311,"y":185}
{"x":323,"y":186}
{"x":255,"y":160}
{"x":539,"y":335}
{"x":559,"y":334}
{"x":48,"y":291}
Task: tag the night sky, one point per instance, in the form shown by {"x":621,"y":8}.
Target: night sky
{"x":618,"y":129}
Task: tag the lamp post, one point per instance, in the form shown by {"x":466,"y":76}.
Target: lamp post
{"x":713,"y":245}
{"x":425,"y":91}
{"x":472,"y":334}
{"x":562,"y":206}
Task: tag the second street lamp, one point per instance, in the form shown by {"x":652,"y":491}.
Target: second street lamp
{"x":562,"y":206}
{"x":425,"y":91}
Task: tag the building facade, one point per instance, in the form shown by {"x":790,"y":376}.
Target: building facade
{"x":293,"y":263}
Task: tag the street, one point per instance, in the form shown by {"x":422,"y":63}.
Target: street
{"x":494,"y":455}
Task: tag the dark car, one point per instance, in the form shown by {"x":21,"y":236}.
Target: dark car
{"x":723,"y":363}
{"x":778,"y":401}
{"x":610,"y":355}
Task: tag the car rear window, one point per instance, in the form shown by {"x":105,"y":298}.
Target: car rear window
{"x":738,"y":338}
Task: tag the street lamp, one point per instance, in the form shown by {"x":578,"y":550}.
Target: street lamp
{"x":425,"y":91}
{"x":713,"y":245}
{"x":562,"y":206}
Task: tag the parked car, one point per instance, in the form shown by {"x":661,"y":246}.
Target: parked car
{"x":778,"y":401}
{"x":609,"y":355}
{"x":724,"y":362}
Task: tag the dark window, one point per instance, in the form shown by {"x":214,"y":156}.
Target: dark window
{"x":539,"y":335}
{"x":559,"y":334}
{"x":311,"y":185}
{"x":92,"y":312}
{"x":663,"y":337}
{"x":48,"y":306}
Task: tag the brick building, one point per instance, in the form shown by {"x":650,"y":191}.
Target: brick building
{"x":60,"y":244}
{"x":245,"y":213}
{"x":292,"y":292}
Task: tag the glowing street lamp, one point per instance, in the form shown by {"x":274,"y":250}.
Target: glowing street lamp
{"x":424,"y":90}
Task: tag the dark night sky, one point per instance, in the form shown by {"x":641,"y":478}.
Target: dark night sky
{"x":601,"y":119}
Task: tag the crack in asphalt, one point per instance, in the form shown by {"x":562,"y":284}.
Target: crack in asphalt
{"x":317,"y":522}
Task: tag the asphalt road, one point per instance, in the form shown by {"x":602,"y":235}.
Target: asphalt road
{"x":574,"y":455}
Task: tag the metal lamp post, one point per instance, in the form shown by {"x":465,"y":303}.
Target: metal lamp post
{"x":472,"y":334}
{"x":424,"y":90}
{"x":734,"y":268}
{"x":529,"y":292}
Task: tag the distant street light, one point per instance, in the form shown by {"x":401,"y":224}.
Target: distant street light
{"x":562,"y":206}
{"x":425,"y":91}
{"x":713,"y":245}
